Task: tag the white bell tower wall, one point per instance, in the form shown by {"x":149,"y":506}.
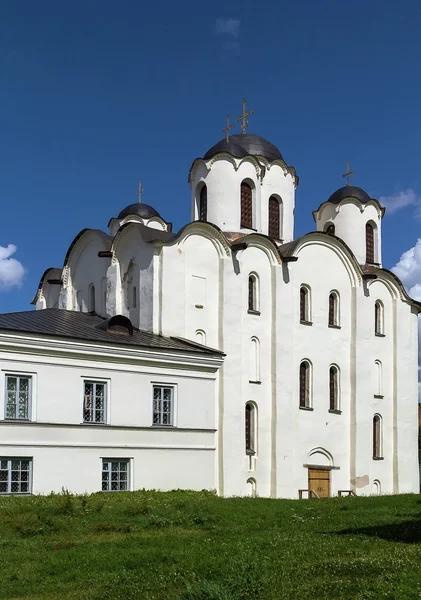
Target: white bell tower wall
{"x":349,"y":219}
{"x":223,"y":176}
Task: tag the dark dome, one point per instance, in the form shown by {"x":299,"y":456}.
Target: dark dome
{"x":349,"y":191}
{"x":142,"y":210}
{"x":245,"y":144}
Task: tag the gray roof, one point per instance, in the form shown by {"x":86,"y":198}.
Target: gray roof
{"x":349,"y":191}
{"x":142,"y":210}
{"x":245,"y":144}
{"x":60,"y":323}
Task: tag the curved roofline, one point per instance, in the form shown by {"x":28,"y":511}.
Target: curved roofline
{"x":41,"y":282}
{"x":99,"y":232}
{"x":293,"y":246}
{"x":277,"y":161}
{"x":371,"y":202}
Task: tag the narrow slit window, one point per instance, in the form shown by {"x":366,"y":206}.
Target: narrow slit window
{"x":369,"y":243}
{"x":305,"y":385}
{"x":203,"y":204}
{"x":333,"y":310}
{"x":250,"y":428}
{"x":333,"y":388}
{"x":377,"y":437}
{"x":304,"y":305}
{"x":246,"y":206}
{"x":378,"y":318}
{"x":253,"y":293}
{"x":274,"y":218}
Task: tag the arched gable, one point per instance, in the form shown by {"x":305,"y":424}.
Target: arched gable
{"x":264,"y":243}
{"x":207,"y":230}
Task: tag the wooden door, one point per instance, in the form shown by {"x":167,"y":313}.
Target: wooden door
{"x":319,"y":481}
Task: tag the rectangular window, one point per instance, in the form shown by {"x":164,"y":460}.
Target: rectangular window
{"x":163,"y":405}
{"x":115,"y":475}
{"x":18,"y":397}
{"x":15,"y":475}
{"x":94,"y":402}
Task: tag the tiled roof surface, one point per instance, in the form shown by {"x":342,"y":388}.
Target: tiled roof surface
{"x":60,"y":323}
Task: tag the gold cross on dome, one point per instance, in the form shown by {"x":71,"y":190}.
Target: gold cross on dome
{"x":348,"y":173}
{"x":139,"y":192}
{"x":228,"y":128}
{"x":244,"y":116}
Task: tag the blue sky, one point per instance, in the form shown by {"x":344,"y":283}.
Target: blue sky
{"x":95,"y":95}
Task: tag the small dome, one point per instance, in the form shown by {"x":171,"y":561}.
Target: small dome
{"x":142,"y":210}
{"x":349,"y":191}
{"x":245,"y":144}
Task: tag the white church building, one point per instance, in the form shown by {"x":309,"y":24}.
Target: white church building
{"x":229,"y":356}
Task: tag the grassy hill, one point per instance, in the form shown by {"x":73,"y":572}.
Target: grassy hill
{"x":196,"y":546}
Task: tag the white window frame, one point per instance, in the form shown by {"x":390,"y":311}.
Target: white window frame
{"x":9,"y":460}
{"x":129,"y":471}
{"x":19,"y":375}
{"x":106,"y":383}
{"x":173,"y":387}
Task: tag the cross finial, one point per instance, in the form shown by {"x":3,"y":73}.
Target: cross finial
{"x":139,"y":192}
{"x":228,"y":128}
{"x":244,"y":116}
{"x":348,"y":172}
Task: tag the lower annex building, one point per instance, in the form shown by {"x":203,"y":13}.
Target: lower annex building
{"x":228,"y":356}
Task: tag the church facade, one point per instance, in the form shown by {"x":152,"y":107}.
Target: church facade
{"x":230,"y":355}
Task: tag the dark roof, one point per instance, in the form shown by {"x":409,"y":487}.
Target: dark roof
{"x":245,"y":144}
{"x":349,"y":191}
{"x":60,"y":323}
{"x":142,"y":210}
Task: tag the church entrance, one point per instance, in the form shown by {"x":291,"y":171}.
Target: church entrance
{"x":319,"y":481}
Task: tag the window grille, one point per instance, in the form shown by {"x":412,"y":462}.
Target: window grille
{"x":163,"y":405}
{"x":369,"y":243}
{"x":378,"y":318}
{"x":305,"y":384}
{"x":274,"y":218}
{"x":333,"y":309}
{"x":250,"y":428}
{"x":15,"y":475}
{"x":203,"y":204}
{"x":333,"y":389}
{"x":94,"y":402}
{"x":377,"y":435}
{"x":252,"y":292}
{"x":246,"y":206}
{"x":115,"y":475}
{"x":304,"y":307}
{"x":18,"y":397}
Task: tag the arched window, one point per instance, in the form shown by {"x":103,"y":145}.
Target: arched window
{"x":79,"y":301}
{"x":378,"y":318}
{"x":251,"y":428}
{"x":333,"y":388}
{"x":253,"y":293}
{"x":246,"y":206}
{"x":330,"y":228}
{"x":369,"y":243}
{"x":305,"y":304}
{"x":201,"y":337}
{"x":254,"y":360}
{"x":274,"y":230}
{"x":378,"y":379}
{"x":203,"y":204}
{"x":305,"y":384}
{"x":377,"y":437}
{"x":333,"y":309}
{"x":252,"y":487}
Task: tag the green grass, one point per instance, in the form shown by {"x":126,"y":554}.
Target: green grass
{"x":196,"y":546}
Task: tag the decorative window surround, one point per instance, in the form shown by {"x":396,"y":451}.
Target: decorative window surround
{"x":18,"y":397}
{"x":163,"y":406}
{"x":94,"y":402}
{"x":115,"y":475}
{"x":15,"y":475}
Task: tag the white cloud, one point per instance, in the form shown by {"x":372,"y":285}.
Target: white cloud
{"x":11,"y":270}
{"x":400,"y":200}
{"x":229,"y":27}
